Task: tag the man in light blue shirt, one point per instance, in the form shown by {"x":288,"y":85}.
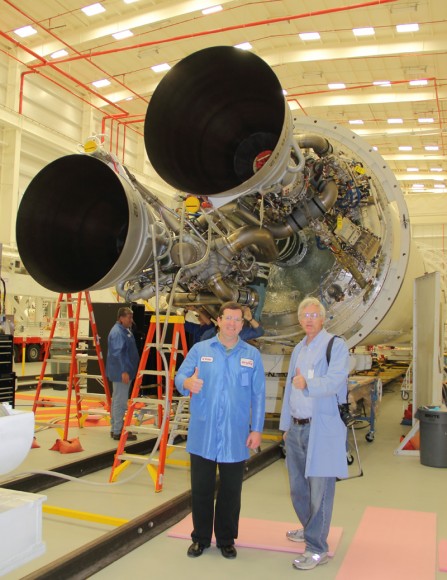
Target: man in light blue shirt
{"x":314,"y":434}
{"x":225,"y":378}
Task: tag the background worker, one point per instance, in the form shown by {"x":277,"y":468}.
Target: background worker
{"x":121,"y":368}
{"x":202,"y":323}
{"x":314,"y":434}
{"x":225,"y":377}
{"x":250,"y":330}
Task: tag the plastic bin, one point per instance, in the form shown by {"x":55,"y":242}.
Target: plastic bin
{"x":433,"y":430}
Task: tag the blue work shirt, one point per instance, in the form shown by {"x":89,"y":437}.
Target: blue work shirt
{"x":122,"y":353}
{"x":326,"y":386}
{"x":231,"y":402}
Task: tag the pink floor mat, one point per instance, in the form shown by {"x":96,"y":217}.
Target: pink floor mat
{"x":261,"y":534}
{"x":442,"y":555}
{"x":391,"y":544}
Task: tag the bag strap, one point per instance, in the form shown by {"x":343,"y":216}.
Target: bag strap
{"x":329,"y":348}
{"x":328,"y":356}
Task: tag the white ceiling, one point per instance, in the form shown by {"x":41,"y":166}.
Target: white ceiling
{"x":167,"y":31}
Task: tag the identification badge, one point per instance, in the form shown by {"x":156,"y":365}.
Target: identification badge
{"x":310,"y":374}
{"x":206,"y":359}
{"x":247,"y":362}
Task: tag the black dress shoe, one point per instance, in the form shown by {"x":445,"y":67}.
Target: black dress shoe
{"x":195,"y":550}
{"x":228,"y":551}
{"x":130,"y":437}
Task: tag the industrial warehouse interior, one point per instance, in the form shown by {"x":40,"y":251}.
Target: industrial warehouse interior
{"x":169,"y":157}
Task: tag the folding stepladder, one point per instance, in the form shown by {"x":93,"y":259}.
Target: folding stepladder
{"x":72,"y":317}
{"x":159,"y":409}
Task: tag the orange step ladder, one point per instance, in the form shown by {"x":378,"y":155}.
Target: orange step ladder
{"x":160,"y":409}
{"x":68,"y":312}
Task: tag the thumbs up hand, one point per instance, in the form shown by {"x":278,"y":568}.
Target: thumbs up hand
{"x":298,"y":381}
{"x":193,"y":383}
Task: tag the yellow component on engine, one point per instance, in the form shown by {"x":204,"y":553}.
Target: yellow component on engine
{"x":192,"y":204}
{"x":90,"y":146}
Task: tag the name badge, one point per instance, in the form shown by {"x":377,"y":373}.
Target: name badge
{"x":247,"y":362}
{"x":206,"y":359}
{"x":310,"y":374}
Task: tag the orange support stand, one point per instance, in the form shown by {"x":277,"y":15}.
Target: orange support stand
{"x":159,"y":408}
{"x":68,"y":313}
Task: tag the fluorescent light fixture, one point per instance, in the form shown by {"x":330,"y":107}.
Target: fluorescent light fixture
{"x":431,"y":148}
{"x":412,"y":169}
{"x":439,"y":185}
{"x":128,"y":99}
{"x":407,"y":27}
{"x":93,"y":9}
{"x":59,"y":53}
{"x":130,"y":2}
{"x":25,"y":31}
{"x":212,"y":10}
{"x":375,"y":148}
{"x":356,"y":122}
{"x":394,"y":121}
{"x":418,"y":186}
{"x":418,"y":83}
{"x":284,"y":92}
{"x":367,"y":31}
{"x":101,"y":83}
{"x":158,"y":68}
{"x":426,"y":120}
{"x":122,"y":34}
{"x":309,"y":35}
{"x":336,"y":86}
{"x":435,"y":168}
{"x":405,"y":148}
{"x":244,"y":46}
{"x":382,"y":83}
{"x":438,"y":178}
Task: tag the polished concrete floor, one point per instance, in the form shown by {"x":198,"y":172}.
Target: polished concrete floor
{"x":389,"y":480}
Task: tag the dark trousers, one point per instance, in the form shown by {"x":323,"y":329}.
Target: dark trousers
{"x":228,"y":501}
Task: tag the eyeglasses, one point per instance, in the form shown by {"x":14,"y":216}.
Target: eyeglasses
{"x":229,"y":318}
{"x":313,"y":315}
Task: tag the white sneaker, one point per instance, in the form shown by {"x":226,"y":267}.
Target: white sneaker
{"x":295,"y":535}
{"x":308,"y":560}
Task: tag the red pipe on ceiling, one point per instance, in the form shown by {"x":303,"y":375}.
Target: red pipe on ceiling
{"x":224,"y":29}
{"x":45,"y":62}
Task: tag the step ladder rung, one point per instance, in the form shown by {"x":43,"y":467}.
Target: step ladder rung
{"x":94,"y":396}
{"x":153,"y":373}
{"x":179,"y":432}
{"x":134,"y":458}
{"x":143,"y":429}
{"x":167,"y":346}
{"x":87,"y":376}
